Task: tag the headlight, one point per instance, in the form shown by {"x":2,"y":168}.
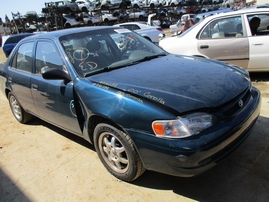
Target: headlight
{"x":184,"y":126}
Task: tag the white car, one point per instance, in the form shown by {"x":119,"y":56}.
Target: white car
{"x":105,"y":17}
{"x":85,"y":5}
{"x":70,"y":21}
{"x":137,"y":3}
{"x":90,"y":19}
{"x":141,"y":15}
{"x":227,"y":37}
{"x":152,"y":33}
{"x":179,"y":26}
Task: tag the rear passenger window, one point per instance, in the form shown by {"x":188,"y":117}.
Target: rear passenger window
{"x":23,"y":57}
{"x":223,"y":28}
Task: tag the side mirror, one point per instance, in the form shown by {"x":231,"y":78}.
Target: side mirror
{"x":54,"y":74}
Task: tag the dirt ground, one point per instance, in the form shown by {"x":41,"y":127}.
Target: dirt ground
{"x":39,"y":162}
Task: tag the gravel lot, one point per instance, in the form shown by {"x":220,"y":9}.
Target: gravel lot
{"x":39,"y":162}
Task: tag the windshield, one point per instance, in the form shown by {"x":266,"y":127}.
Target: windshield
{"x":106,"y":49}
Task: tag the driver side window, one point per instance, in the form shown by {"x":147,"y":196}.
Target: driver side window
{"x":47,"y":56}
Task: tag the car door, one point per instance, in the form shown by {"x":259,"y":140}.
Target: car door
{"x":54,"y":99}
{"x":19,"y":74}
{"x":259,"y":44}
{"x":225,"y":39}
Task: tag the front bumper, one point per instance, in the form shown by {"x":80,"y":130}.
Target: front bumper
{"x":192,"y":156}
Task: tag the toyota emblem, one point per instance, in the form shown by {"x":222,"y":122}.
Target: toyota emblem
{"x":240,"y":103}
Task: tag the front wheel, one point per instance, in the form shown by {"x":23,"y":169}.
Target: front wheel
{"x":117,"y":152}
{"x":18,"y":112}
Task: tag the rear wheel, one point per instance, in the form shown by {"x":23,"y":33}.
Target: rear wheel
{"x":18,"y":112}
{"x":117,"y":152}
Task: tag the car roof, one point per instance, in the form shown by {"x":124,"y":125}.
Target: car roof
{"x":58,"y":33}
{"x":214,"y":12}
{"x":20,"y":34}
{"x":239,"y":12}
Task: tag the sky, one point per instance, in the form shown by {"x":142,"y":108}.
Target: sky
{"x":21,"y":6}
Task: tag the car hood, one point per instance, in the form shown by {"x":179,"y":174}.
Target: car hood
{"x":182,"y":83}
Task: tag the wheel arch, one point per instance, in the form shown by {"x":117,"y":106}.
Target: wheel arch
{"x":94,"y":120}
{"x":7,"y":91}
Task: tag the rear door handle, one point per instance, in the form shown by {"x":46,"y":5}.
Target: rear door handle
{"x":204,"y":46}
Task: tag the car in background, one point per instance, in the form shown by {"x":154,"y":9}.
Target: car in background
{"x":152,"y":33}
{"x":66,"y":6}
{"x":141,"y":107}
{"x":70,"y":20}
{"x":180,"y":25}
{"x":177,"y":28}
{"x":90,"y":19}
{"x":227,"y":37}
{"x":138,"y":14}
{"x":110,"y":4}
{"x":105,"y":17}
{"x":85,"y":5}
{"x":12,"y":41}
{"x":137,"y":3}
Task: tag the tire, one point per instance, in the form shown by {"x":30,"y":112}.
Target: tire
{"x":18,"y":112}
{"x":89,"y":23}
{"x":117,"y":152}
{"x":84,"y":9}
{"x":67,"y":26}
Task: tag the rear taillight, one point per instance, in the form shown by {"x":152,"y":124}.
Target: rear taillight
{"x":160,"y":29}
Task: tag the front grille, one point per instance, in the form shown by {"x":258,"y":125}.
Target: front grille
{"x":236,"y":105}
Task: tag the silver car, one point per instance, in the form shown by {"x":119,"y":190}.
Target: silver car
{"x":227,"y":37}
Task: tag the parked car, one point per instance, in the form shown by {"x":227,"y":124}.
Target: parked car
{"x":70,"y":20}
{"x":90,"y":19}
{"x":105,"y":17}
{"x":227,"y":37}
{"x":110,"y":4}
{"x":12,"y":41}
{"x":64,"y":6}
{"x":173,"y":3}
{"x":141,"y":107}
{"x":180,"y":25}
{"x":137,"y":3}
{"x":85,"y":5}
{"x":152,"y":33}
{"x":177,"y":28}
{"x":138,"y":14}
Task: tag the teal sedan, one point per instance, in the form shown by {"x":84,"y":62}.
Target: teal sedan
{"x":141,"y":107}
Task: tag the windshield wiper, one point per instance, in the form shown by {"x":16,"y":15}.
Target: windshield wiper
{"x":146,"y":58}
{"x":97,"y":71}
{"x":118,"y":65}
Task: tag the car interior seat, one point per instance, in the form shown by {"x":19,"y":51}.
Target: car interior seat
{"x":239,"y":31}
{"x":97,"y":53}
